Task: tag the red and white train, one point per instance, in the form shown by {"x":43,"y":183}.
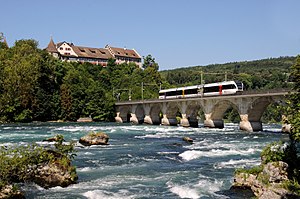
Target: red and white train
{"x":212,"y":89}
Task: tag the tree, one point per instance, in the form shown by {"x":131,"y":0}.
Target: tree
{"x":3,"y":44}
{"x":19,"y":80}
{"x":149,"y":61}
{"x":294,"y":103}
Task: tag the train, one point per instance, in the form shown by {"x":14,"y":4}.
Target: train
{"x":203,"y":90}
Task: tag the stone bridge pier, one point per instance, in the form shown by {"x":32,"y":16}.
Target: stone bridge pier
{"x":152,"y":114}
{"x":189,"y":113}
{"x":213,"y":114}
{"x":169,"y":111}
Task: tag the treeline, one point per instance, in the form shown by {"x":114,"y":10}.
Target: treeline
{"x":34,"y":86}
{"x":260,"y":74}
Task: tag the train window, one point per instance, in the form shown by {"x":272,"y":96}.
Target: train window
{"x":171,"y":93}
{"x":229,"y":86}
{"x":179,"y":92}
{"x":211,"y":89}
{"x":191,"y":91}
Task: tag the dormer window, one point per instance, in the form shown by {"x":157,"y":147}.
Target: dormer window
{"x":103,"y":52}
{"x":82,"y":50}
{"x":93,"y":51}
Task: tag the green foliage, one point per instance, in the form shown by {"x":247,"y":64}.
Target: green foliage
{"x":274,"y":152}
{"x":16,"y":162}
{"x":261,"y":74}
{"x":293,"y":108}
{"x":149,"y":62}
{"x":65,"y":149}
{"x":253,"y":170}
{"x":293,"y":186}
{"x":35,"y":86}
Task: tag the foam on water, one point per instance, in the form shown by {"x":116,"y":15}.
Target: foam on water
{"x":237,"y":163}
{"x":193,"y":154}
{"x":185,"y":192}
{"x":85,"y":169}
{"x":209,"y":187}
{"x":100,"y":194}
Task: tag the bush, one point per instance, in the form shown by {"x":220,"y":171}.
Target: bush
{"x":17,"y":163}
{"x":254,"y":170}
{"x":274,"y":152}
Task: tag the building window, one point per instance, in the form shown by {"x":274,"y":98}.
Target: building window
{"x":93,"y":51}
{"x":61,"y":48}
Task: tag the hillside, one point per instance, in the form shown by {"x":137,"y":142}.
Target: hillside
{"x":259,"y":74}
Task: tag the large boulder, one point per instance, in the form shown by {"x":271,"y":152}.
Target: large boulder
{"x":266,"y":184}
{"x":188,"y":140}
{"x":93,"y":138}
{"x":244,"y":180}
{"x":56,"y":138}
{"x":8,"y":191}
{"x":277,"y":171}
{"x":53,"y":174}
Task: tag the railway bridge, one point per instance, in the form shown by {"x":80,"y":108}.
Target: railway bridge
{"x":250,"y":107}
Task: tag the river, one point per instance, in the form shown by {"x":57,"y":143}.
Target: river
{"x":145,"y":161}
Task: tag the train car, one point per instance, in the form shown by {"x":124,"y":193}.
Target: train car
{"x":212,"y":89}
{"x":182,"y":92}
{"x":222,"y":88}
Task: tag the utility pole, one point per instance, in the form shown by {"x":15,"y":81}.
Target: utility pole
{"x":142,"y":90}
{"x":129,"y":95}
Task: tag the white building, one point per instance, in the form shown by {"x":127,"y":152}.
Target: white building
{"x":100,"y":56}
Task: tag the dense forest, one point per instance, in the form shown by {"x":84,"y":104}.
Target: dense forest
{"x":34,"y":86}
{"x":260,"y":74}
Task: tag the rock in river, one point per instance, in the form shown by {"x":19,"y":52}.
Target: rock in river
{"x":93,"y":138}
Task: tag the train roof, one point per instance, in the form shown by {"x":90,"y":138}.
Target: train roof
{"x":180,"y":88}
{"x":219,"y":83}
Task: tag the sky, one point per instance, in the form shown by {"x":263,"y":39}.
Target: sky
{"x":177,"y":33}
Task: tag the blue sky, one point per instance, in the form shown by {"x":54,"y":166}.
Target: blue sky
{"x":176,"y":33}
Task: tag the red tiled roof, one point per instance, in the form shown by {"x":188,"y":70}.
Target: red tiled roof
{"x":123,"y":52}
{"x":51,"y":47}
{"x":99,"y":53}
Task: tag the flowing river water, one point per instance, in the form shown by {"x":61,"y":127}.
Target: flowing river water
{"x":144,"y":161}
